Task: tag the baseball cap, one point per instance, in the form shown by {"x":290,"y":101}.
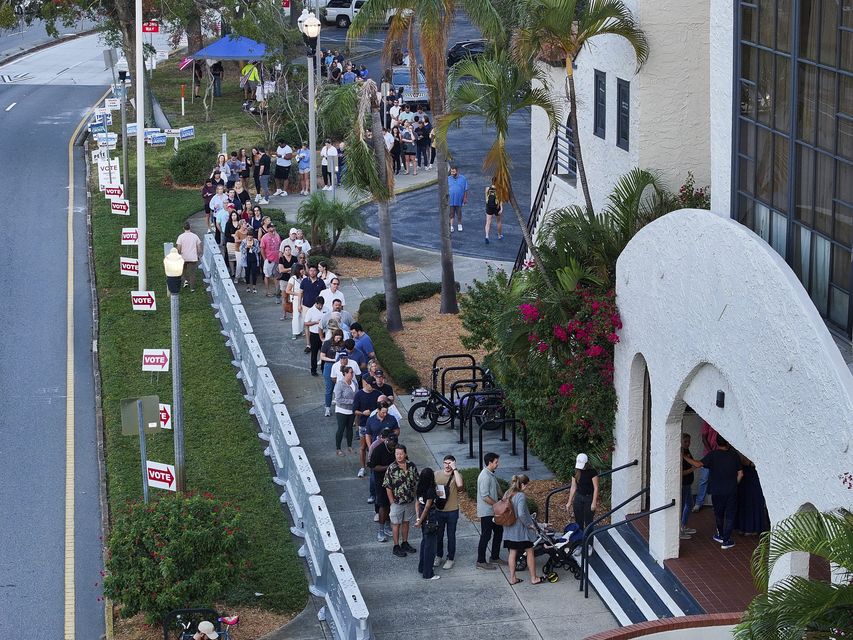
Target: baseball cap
{"x":581,"y":460}
{"x":343,"y":353}
{"x":206,"y":627}
{"x":379,"y":372}
{"x":369,"y":379}
{"x":292,"y":230}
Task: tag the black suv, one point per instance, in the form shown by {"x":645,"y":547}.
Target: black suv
{"x":465,"y":49}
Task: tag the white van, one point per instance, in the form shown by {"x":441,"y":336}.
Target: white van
{"x":342,"y":12}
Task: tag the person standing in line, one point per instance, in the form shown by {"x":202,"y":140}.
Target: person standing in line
{"x":379,"y":458}
{"x":345,"y":390}
{"x":250,"y":255}
{"x":751,"y":518}
{"x":377,"y":422}
{"x":494,"y":209}
{"x":328,"y":162}
{"x":283,"y":162}
{"x":397,"y":150}
{"x":311,"y":287}
{"x":400,"y":485}
{"x":426,"y":520}
{"x":520,"y":535}
{"x":363,"y":343}
{"x":422,"y":141}
{"x":688,"y":464}
{"x":294,"y":291}
{"x":709,"y":444}
{"x":208,"y":190}
{"x":726,"y":472}
{"x":407,"y":136}
{"x":269,"y":250}
{"x":583,"y":495}
{"x":241,"y":234}
{"x":313,"y":320}
{"x":265,"y":163}
{"x":457,"y":196}
{"x":329,"y":350}
{"x":448,"y":485}
{"x":190,"y":247}
{"x":488,"y":493}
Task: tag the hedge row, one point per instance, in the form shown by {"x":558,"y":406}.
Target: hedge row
{"x":351,"y":249}
{"x":392,"y":358}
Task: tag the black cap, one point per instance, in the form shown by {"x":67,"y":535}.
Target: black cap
{"x":379,"y":372}
{"x":369,"y":379}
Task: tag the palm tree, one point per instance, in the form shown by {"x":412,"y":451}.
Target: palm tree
{"x":431,"y":19}
{"x":557,"y":29}
{"x":798,"y":607}
{"x":332,"y":217}
{"x":369,"y":170}
{"x":494,"y":89}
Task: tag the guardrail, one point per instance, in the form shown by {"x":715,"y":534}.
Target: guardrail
{"x":331,"y":578}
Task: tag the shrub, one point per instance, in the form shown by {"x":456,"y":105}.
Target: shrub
{"x":351,"y":249}
{"x":393,"y":361}
{"x":192,"y":162}
{"x":179,"y":551}
{"x":689,"y":197}
{"x":313,"y":261}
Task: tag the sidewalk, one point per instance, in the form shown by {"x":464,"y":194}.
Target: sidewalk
{"x":478,"y":604}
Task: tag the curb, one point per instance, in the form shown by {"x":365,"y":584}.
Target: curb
{"x":46,"y":45}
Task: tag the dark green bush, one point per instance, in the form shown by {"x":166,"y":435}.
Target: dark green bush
{"x":389,"y":354}
{"x":332,"y":265}
{"x":351,"y":249}
{"x":469,"y":477}
{"x":179,"y":551}
{"x":193,"y":162}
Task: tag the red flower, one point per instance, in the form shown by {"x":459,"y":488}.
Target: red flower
{"x":542,"y":347}
{"x":566,"y":389}
{"x":594,"y":351}
{"x":529,"y":313}
{"x":612,"y":338}
{"x":560,"y":333}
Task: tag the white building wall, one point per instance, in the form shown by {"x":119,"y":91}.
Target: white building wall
{"x":720,"y":70}
{"x":701,"y":299}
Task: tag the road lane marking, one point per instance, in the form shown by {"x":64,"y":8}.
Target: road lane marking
{"x":11,"y":106}
{"x":70,"y":605}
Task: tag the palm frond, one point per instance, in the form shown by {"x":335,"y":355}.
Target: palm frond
{"x":611,"y":17}
{"x":372,"y":12}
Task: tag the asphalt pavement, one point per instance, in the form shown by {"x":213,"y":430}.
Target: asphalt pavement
{"x":37,"y":118}
{"x":25,"y":37}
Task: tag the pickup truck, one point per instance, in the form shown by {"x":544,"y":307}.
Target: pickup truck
{"x":342,"y":12}
{"x":401,"y":76}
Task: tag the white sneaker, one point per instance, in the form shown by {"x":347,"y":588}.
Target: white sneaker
{"x":264,"y":201}
{"x":459,"y":227}
{"x":327,"y":413}
{"x":451,"y":228}
{"x":283,"y":193}
{"x":360,"y":473}
{"x":448,"y":564}
{"x":436,"y":577}
{"x":277,"y":192}
{"x":258,"y":198}
{"x":376,"y":517}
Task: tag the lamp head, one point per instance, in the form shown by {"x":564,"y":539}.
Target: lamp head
{"x":311,"y":26}
{"x":301,"y":21}
{"x":173,"y":263}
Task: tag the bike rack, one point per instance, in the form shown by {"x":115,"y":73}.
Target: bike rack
{"x":569,"y":486}
{"x":467,"y":382}
{"x":453,"y":356}
{"x":473,"y":369}
{"x":589,"y":533}
{"x":494,"y":392}
{"x":503,"y":422}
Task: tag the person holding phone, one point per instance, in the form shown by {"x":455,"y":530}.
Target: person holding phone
{"x":449,"y":483}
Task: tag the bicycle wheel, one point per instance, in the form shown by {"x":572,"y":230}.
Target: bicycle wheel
{"x":423,"y":416}
{"x":487,"y":413}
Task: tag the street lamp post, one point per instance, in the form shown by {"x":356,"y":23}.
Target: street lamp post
{"x":122,"y":78}
{"x":141,"y":207}
{"x":310,"y":28}
{"x":174,"y":266}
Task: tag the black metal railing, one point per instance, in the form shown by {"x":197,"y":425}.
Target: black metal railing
{"x":538,"y":202}
{"x":566,"y":487}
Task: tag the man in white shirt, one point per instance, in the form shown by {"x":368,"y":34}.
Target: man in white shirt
{"x":283,"y":160}
{"x":289,"y":241}
{"x":394,"y":112}
{"x":343,"y":361}
{"x":389,"y":139}
{"x":219,"y":200}
{"x":313,"y":322}
{"x":329,"y":159}
{"x":190,"y":247}
{"x":332,"y":295}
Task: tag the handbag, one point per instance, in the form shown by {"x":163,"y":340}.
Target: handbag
{"x":504,"y":513}
{"x":288,"y":305}
{"x":440,"y":503}
{"x":431,"y":527}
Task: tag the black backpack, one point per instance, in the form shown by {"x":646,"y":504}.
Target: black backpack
{"x":492,"y":198}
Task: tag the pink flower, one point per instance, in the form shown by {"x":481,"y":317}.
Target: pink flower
{"x":612,"y":338}
{"x":616,"y":321}
{"x":542,"y":346}
{"x":529,"y":313}
{"x":566,"y":389}
{"x":580,"y":335}
{"x":560,"y":333}
{"x":594,"y":351}
{"x":595,"y":306}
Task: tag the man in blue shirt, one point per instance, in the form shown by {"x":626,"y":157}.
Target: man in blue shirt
{"x":349,"y":76}
{"x":362,"y":341}
{"x":457,"y":195}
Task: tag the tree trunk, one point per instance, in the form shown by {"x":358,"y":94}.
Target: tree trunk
{"x":576,"y":136}
{"x":448,"y":278}
{"x":295,"y":12}
{"x":393,"y":317}
{"x":195,"y":38}
{"x":528,"y":239}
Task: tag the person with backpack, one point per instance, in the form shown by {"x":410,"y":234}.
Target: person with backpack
{"x":488,"y":493}
{"x":519,"y":532}
{"x":494,"y":209}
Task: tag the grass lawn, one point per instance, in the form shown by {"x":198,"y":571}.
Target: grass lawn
{"x":223,"y":454}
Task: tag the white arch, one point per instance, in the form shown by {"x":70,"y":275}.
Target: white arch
{"x":710,"y":306}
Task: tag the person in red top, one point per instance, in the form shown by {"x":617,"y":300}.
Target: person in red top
{"x":269,"y":251}
{"x":709,"y":442}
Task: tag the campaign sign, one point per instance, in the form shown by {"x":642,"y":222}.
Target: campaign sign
{"x":97,"y":127}
{"x":143,"y":301}
{"x":129,"y":267}
{"x":112,"y":104}
{"x":150,"y":131}
{"x":131,"y":129}
{"x":108,"y":140}
{"x":108,"y":173}
{"x":120,"y":207}
{"x":130,"y":236}
{"x":158,"y":140}
{"x":187,"y":133}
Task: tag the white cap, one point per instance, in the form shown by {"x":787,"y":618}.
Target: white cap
{"x":580,"y":462}
{"x":208,"y":629}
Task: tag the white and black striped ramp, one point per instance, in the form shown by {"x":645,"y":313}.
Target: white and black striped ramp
{"x":633,"y":586}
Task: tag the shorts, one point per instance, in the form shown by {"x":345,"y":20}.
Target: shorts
{"x":305,"y":171}
{"x":518,"y":546}
{"x":282,"y":173}
{"x":402,"y":512}
{"x":362,"y":431}
{"x":270,"y":268}
{"x":282,"y":285}
{"x":496,"y":212}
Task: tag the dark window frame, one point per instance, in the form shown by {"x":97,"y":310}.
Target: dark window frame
{"x":599,"y":95}
{"x":623,"y":114}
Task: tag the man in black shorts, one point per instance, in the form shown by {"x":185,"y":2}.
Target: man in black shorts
{"x":283,"y":161}
{"x":381,"y":456}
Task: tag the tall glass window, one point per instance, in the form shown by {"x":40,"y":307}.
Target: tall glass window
{"x":793,"y":173}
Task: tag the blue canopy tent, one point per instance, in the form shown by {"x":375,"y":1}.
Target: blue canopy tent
{"x":232,"y":48}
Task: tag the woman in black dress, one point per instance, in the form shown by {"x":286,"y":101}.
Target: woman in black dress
{"x":583,"y":496}
{"x":427,"y":520}
{"x":255,"y":165}
{"x":397,"y":150}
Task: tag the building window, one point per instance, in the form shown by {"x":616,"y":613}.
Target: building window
{"x":567,"y":164}
{"x":600,"y":116}
{"x":793,"y":135}
{"x":623,"y":113}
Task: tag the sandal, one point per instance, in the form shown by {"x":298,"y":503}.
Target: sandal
{"x":339,"y":452}
{"x":517,"y":581}
{"x":541,"y":580}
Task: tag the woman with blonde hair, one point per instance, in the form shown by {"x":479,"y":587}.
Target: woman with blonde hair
{"x":520,"y":535}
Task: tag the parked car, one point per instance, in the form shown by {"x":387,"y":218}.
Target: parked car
{"x":343,"y":12}
{"x":465,"y":49}
{"x":401,"y":76}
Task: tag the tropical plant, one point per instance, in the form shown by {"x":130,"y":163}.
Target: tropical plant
{"x":431,"y":20}
{"x":560,"y":30}
{"x":798,"y":607}
{"x":369,"y":170}
{"x":494,"y":89}
{"x":329,"y":218}
{"x":689,"y":197}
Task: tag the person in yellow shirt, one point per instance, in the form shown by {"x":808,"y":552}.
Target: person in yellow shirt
{"x":249,"y":79}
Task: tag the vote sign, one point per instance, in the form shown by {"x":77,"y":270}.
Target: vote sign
{"x":129,"y":267}
{"x":120,"y":207}
{"x":160,"y":476}
{"x":143,"y":301}
{"x":155,"y":359}
{"x":130,"y":236}
{"x":165,"y":416}
{"x":114,"y":191}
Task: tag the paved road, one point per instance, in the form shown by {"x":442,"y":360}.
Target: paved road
{"x":25,"y":37}
{"x":33,"y":389}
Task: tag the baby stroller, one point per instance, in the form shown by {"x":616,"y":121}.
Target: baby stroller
{"x":563,"y":552}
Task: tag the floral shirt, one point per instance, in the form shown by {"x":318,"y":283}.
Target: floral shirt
{"x":403,"y":484}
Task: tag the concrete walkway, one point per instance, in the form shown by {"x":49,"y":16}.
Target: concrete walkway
{"x":466,"y":602}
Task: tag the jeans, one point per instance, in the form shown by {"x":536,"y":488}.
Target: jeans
{"x":725,"y":506}
{"x":265,"y":186}
{"x":488,"y":529}
{"x":315,"y":344}
{"x":217,"y":86}
{"x":344,"y":427}
{"x":251,"y":269}
{"x":686,"y":502}
{"x":330,"y":386}
{"x":447,"y":520}
{"x":427,"y":553}
{"x":704,"y":474}
{"x":371,"y":488}
{"x":423,"y":154}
